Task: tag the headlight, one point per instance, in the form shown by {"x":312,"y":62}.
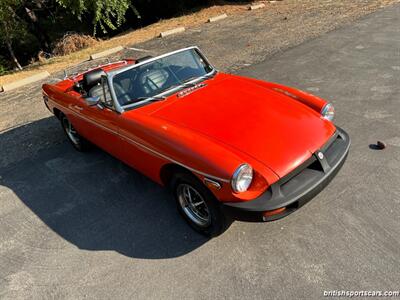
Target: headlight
{"x":242,"y":178}
{"x":328,"y":112}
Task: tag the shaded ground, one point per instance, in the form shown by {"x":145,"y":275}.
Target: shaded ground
{"x":85,"y":226}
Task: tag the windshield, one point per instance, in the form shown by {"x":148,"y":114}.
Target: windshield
{"x":150,"y":79}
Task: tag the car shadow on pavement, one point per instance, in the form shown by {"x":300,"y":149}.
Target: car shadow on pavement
{"x":94,"y":201}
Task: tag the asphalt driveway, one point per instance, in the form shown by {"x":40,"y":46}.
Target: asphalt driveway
{"x":85,"y":226}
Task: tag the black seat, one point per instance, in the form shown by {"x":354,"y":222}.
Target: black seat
{"x":153,"y":80}
{"x":93,"y":87}
{"x":92,"y":81}
{"x":95,"y":91}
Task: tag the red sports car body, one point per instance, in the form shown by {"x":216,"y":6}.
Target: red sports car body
{"x":225,"y":144}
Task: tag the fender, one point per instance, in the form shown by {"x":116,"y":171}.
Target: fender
{"x":314,"y":102}
{"x":194,"y":151}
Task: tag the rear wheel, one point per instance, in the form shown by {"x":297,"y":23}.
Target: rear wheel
{"x":198,"y":205}
{"x":76,"y":140}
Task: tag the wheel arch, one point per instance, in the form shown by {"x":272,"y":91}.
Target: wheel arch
{"x":168,"y":171}
{"x":58,"y":113}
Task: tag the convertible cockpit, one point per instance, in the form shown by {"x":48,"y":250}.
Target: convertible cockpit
{"x":147,"y":78}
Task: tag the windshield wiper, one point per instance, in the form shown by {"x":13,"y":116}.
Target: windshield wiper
{"x":185,"y":84}
{"x":189,"y":79}
{"x":154,"y":98}
{"x":204,"y":77}
{"x":180,"y":84}
{"x":208,"y":76}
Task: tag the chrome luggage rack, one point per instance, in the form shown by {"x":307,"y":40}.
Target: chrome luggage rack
{"x":72,"y":75}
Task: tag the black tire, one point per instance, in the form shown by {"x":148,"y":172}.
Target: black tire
{"x":218,"y":222}
{"x":77,"y":141}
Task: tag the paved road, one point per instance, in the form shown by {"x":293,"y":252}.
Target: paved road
{"x":85,"y":226}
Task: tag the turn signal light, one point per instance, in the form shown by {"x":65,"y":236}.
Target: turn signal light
{"x":212,"y":183}
{"x":270,"y":213}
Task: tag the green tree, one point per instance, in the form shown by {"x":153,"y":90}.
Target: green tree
{"x":11,"y":26}
{"x":107,"y":14}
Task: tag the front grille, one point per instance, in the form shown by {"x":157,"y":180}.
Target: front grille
{"x":332,"y":153}
{"x":302,"y":184}
{"x":313,"y":169}
{"x":316,"y":165}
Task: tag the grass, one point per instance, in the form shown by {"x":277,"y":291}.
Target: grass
{"x":188,"y":20}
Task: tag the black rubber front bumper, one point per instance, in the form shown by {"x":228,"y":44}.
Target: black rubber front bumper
{"x":296,"y":188}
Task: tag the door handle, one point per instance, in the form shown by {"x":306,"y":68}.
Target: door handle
{"x":78,"y":107}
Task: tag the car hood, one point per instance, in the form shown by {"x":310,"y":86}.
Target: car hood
{"x":271,"y":127}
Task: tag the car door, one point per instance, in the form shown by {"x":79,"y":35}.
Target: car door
{"x":102,"y":121}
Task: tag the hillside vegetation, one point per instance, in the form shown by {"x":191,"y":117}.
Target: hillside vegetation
{"x":36,"y":30}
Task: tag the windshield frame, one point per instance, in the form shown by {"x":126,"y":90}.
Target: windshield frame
{"x":121,"y":108}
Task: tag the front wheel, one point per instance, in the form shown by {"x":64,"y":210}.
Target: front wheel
{"x":76,"y":140}
{"x":198,"y":206}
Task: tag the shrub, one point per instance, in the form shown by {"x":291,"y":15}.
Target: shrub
{"x":4,"y":66}
{"x":72,"y":42}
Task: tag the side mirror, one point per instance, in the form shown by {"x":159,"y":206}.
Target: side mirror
{"x":92,"y":101}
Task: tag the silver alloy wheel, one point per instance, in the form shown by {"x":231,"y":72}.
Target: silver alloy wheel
{"x":70,"y":131}
{"x":193,"y":205}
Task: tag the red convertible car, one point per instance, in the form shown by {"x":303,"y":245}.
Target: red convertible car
{"x":229,"y":147}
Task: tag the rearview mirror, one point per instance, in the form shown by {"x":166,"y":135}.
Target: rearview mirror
{"x":92,"y":101}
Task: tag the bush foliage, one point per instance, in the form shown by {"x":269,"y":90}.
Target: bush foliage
{"x":72,"y":42}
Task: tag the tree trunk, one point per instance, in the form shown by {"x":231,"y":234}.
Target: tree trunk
{"x":37,"y":30}
{"x":8,"y":41}
{"x":12,"y":54}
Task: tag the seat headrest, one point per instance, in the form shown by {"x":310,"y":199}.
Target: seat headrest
{"x":93,"y":77}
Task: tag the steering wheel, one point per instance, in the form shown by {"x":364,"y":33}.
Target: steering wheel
{"x":122,"y":95}
{"x":148,"y":80}
{"x":179,"y":69}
